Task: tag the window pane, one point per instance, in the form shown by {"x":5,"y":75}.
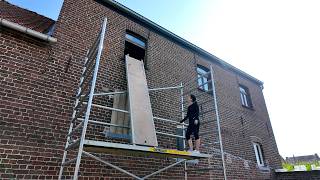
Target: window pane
{"x":136,"y":40}
{"x":245,"y":96}
{"x":201,"y":71}
{"x":242,"y":100}
{"x":206,"y":87}
{"x":259,"y":156}
{"x":199,"y":81}
{"x":243,"y":90}
{"x":245,"y":100}
{"x":258,"y":153}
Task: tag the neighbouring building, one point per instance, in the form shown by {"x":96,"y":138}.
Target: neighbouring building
{"x":39,"y":76}
{"x":303,"y":159}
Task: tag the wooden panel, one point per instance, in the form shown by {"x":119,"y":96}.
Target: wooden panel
{"x":143,"y":129}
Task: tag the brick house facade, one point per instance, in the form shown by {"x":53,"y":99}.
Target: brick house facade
{"x":39,"y":80}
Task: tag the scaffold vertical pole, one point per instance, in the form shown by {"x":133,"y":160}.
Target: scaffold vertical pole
{"x":92,"y":88}
{"x":218,"y":121}
{"x":183,"y":131}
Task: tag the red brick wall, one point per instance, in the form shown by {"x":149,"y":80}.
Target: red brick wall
{"x":39,"y":81}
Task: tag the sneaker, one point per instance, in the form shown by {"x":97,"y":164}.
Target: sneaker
{"x":196,"y":151}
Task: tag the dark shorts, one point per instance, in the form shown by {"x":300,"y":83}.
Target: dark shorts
{"x":194,"y":129}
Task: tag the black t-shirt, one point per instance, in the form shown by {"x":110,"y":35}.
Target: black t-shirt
{"x":192,"y":113}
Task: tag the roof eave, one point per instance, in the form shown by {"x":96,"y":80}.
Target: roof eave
{"x":175,"y":37}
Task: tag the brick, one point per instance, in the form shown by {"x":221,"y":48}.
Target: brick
{"x":38,"y":83}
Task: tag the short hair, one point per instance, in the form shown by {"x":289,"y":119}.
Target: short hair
{"x":193,"y":97}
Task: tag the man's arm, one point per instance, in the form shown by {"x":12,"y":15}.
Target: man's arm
{"x":185,"y":118}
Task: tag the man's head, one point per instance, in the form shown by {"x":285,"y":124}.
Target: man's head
{"x":192,"y":98}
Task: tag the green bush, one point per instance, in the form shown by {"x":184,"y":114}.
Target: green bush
{"x":287,"y":166}
{"x":308,"y":167}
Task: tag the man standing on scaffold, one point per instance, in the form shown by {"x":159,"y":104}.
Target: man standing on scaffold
{"x":194,"y":123}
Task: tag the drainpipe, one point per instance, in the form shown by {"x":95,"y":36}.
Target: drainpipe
{"x":28,"y":31}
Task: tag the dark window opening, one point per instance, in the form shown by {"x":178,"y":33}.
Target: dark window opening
{"x":135,"y":46}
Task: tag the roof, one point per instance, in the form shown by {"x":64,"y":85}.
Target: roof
{"x":150,"y":24}
{"x":25,"y":17}
{"x":307,"y":158}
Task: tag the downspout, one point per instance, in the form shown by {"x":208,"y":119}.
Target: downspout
{"x":27,"y":31}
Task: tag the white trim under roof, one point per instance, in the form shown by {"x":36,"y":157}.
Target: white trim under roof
{"x":26,"y":30}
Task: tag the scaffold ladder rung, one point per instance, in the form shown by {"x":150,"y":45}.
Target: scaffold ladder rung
{"x":73,"y":145}
{"x":69,"y":162}
{"x":76,"y":128}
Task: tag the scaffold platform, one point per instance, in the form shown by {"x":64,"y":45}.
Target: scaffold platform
{"x":116,"y":148}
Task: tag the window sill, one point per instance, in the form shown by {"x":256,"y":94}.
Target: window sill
{"x":247,"y":107}
{"x":208,"y":92}
{"x":264,"y":168}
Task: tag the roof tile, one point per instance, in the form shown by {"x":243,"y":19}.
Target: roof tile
{"x":25,"y":17}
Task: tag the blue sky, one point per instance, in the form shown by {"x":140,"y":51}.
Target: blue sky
{"x":276,"y":41}
{"x":49,"y":8}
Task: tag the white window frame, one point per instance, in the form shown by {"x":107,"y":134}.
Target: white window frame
{"x":135,"y":40}
{"x":202,"y":79}
{"x":245,"y":97}
{"x":259,"y":155}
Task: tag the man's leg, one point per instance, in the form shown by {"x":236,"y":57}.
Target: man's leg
{"x":196,"y":136}
{"x":188,"y":138}
{"x":198,"y":144}
{"x":190,"y":144}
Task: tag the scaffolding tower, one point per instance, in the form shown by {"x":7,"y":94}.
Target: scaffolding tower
{"x":78,"y":144}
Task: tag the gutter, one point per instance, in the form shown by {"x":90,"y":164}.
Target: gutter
{"x":178,"y":39}
{"x":27,"y":31}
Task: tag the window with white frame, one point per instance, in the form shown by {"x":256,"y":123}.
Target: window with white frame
{"x":245,"y":96}
{"x":259,"y":154}
{"x":203,"y":77}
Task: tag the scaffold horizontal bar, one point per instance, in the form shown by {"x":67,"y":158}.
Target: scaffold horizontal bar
{"x":123,"y":92}
{"x":169,"y":120}
{"x":167,"y":134}
{"x":165,"y":88}
{"x":109,"y":108}
{"x":110,"y":93}
{"x":108,"y":124}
